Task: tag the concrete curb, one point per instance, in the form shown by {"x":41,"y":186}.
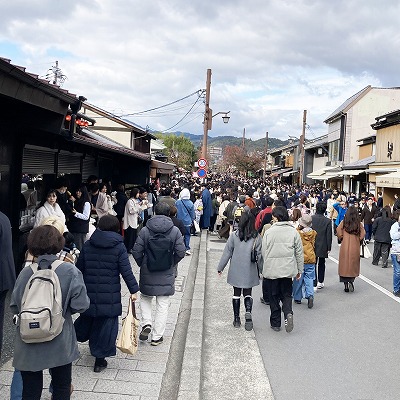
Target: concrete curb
{"x":191,"y":372}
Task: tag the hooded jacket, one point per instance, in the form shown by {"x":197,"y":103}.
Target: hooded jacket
{"x":160,"y":283}
{"x":282,"y":251}
{"x":308,"y":236}
{"x":185,"y":208}
{"x":102,"y":260}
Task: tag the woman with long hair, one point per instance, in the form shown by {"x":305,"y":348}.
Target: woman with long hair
{"x":78,"y":223}
{"x":49,"y":207}
{"x":243,"y":272}
{"x":350,"y":231}
{"x":133,"y":209}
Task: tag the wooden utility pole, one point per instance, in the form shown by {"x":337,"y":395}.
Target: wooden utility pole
{"x":265,"y":154}
{"x":244,"y":137}
{"x":301,"y":144}
{"x":207,"y":116}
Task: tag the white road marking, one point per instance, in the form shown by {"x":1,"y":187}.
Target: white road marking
{"x":372,"y":283}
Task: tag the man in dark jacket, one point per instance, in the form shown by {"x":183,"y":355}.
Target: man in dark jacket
{"x":157,"y":282}
{"x":7,"y":267}
{"x":367,"y":216}
{"x":381,"y":231}
{"x":323,"y":242}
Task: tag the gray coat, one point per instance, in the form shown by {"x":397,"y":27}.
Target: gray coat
{"x":242,"y":272}
{"x":160,"y":283}
{"x":323,"y":242}
{"x":7,"y":267}
{"x":63,"y":349}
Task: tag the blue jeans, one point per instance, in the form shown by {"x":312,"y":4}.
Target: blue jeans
{"x":368,"y":231}
{"x":396,"y":273}
{"x":16,"y":386}
{"x":186,"y":237}
{"x":306,"y":280}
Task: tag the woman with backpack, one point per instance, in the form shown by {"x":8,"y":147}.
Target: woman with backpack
{"x":44,"y":242}
{"x":243,"y":271}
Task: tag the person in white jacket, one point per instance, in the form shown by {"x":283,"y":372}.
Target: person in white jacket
{"x":133,"y":209}
{"x":49,"y":208}
{"x":395,"y":253}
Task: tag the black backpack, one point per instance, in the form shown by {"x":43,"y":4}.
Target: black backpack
{"x":160,"y":251}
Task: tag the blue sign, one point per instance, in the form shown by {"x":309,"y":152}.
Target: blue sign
{"x":201,"y":173}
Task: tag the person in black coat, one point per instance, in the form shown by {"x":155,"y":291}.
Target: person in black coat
{"x":102,"y":260}
{"x":381,"y":231}
{"x":323,"y":242}
{"x":7,"y":267}
{"x":367,"y":216}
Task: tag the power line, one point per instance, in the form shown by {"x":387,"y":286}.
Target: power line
{"x":191,"y":108}
{"x":198,"y":92}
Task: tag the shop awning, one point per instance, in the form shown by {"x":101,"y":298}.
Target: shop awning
{"x":288,"y":173}
{"x":391,"y":180}
{"x":380,"y":170}
{"x":352,"y":172}
{"x":320,"y":174}
{"x":162,"y":167}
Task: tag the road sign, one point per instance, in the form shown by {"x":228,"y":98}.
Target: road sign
{"x":201,"y":173}
{"x":202,"y":162}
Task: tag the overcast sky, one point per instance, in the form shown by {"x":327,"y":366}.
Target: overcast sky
{"x":270,"y":60}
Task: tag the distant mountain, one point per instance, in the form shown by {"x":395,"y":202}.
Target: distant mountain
{"x":223,"y":141}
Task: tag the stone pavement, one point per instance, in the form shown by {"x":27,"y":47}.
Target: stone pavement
{"x":202,"y":357}
{"x":137,"y":377}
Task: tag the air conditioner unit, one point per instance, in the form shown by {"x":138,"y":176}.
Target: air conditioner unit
{"x":328,"y":163}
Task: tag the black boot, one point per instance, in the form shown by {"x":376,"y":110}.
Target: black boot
{"x":248,"y":304}
{"x":100,"y":364}
{"x":236,"y":312}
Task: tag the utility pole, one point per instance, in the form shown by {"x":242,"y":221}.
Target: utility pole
{"x":265,"y":154}
{"x":243,"y":138}
{"x":301,"y":144}
{"x":207,"y":116}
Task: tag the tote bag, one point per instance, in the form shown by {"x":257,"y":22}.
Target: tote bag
{"x":127,"y":341}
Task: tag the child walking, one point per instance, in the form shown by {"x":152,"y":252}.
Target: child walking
{"x":306,"y":281}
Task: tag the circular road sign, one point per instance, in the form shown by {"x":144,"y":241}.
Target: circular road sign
{"x":201,"y":173}
{"x":202,"y":163}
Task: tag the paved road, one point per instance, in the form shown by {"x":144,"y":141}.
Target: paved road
{"x":343,"y":348}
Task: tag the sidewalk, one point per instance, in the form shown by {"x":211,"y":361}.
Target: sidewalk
{"x":202,"y":357}
{"x":137,"y":377}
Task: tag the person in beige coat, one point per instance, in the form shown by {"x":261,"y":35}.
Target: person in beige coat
{"x":283,"y":260}
{"x":350,"y":232}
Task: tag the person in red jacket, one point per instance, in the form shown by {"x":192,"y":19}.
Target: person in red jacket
{"x":267,"y":210}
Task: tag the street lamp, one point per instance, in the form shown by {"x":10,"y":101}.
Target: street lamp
{"x":208,"y":116}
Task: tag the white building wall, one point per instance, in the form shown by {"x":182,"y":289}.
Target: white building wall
{"x":376,"y":102}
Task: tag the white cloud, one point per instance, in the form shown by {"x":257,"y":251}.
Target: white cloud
{"x":270,"y":59}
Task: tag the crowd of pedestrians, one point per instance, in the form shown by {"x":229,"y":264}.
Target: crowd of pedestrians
{"x":277,"y":233}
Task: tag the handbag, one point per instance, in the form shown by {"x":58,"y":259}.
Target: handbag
{"x":139,"y":220}
{"x":253,"y":254}
{"x":364,"y":250}
{"x":127,"y":340}
{"x":194,"y":227}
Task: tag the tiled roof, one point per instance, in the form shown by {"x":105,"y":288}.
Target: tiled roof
{"x":343,"y":107}
{"x":8,"y":67}
{"x":109,"y":145}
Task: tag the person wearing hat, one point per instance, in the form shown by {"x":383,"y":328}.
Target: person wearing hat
{"x":306,"y":280}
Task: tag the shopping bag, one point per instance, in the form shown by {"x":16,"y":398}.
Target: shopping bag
{"x":127,"y":341}
{"x":195,"y":228}
{"x":364,"y":251}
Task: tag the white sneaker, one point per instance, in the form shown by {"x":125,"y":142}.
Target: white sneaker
{"x":320,"y":285}
{"x":315,"y":288}
{"x":188,"y":253}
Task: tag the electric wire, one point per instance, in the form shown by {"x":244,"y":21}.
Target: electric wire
{"x":198,"y":92}
{"x":190,"y":109}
